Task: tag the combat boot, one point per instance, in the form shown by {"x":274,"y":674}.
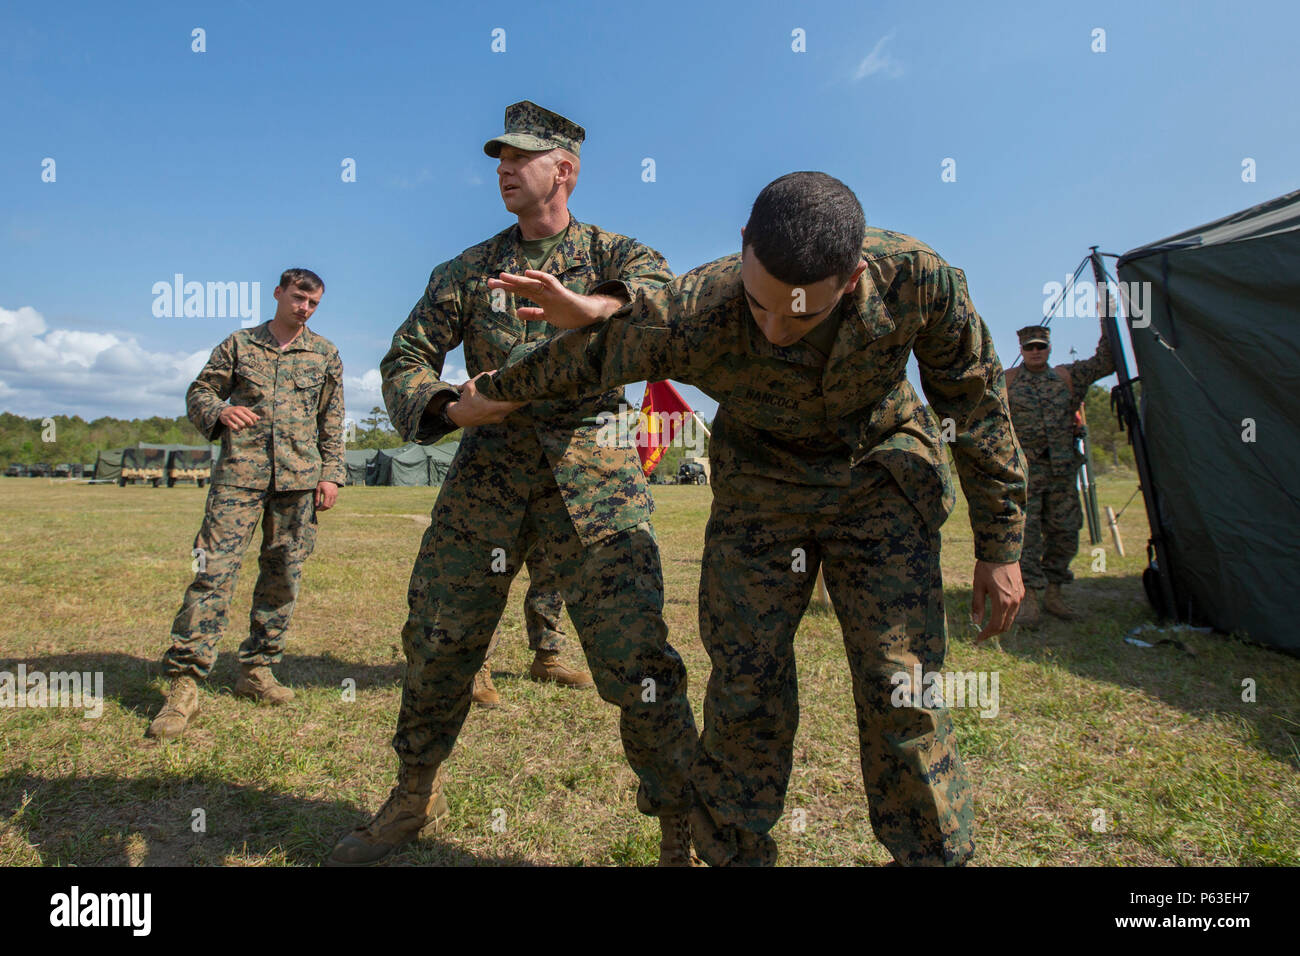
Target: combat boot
{"x":258,"y":683}
{"x":547,"y":668}
{"x":1029,"y":610}
{"x":182,"y":704}
{"x":416,"y":804}
{"x":485,"y":693}
{"x":675,"y":841}
{"x":1055,"y":604}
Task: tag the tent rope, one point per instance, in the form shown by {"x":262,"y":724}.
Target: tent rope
{"x":1129,"y":502}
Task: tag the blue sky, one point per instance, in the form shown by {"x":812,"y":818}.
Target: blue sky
{"x":225,"y":165}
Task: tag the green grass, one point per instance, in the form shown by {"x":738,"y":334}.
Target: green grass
{"x":1184,"y":771}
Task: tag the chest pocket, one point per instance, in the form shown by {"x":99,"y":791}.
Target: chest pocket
{"x":489,"y":334}
{"x":254,"y":382}
{"x":781,"y":398}
{"x":307,"y":388}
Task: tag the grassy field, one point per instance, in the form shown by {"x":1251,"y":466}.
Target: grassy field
{"x":1157,"y":739}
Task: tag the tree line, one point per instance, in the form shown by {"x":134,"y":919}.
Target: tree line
{"x":71,"y":439}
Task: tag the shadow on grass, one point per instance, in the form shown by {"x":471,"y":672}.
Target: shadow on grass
{"x":148,"y":821}
{"x":1203,"y":679}
{"x":131,"y":680}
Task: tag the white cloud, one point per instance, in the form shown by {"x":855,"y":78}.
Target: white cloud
{"x":91,"y":374}
{"x":878,"y":61}
{"x":46,"y":371}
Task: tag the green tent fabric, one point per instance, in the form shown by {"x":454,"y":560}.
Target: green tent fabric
{"x":1220,"y":373}
{"x":108,"y":464}
{"x":440,"y":458}
{"x":358,"y":462}
{"x":412,"y":464}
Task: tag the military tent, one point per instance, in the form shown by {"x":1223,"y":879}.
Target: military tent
{"x":108,"y":464}
{"x":1220,"y":373}
{"x":359,"y":462}
{"x":412,"y":464}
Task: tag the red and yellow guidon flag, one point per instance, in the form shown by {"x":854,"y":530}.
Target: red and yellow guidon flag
{"x":658,"y":406}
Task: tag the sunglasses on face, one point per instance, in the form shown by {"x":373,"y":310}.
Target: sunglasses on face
{"x":1033,"y":347}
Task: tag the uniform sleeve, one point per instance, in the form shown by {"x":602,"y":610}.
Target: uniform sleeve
{"x":1086,"y":371}
{"x":411,"y":371}
{"x":632,"y":267}
{"x":963,"y":380}
{"x":207,"y":394}
{"x":329,"y":424}
{"x":643,"y":341}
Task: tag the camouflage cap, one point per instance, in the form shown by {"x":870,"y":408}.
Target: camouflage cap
{"x":1035,"y":333}
{"x":530,"y":127}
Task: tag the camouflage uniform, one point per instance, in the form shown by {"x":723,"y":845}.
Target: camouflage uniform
{"x":539,"y":479}
{"x":543,"y":605}
{"x":822,"y":460}
{"x":268,"y":470}
{"x":1043,"y":404}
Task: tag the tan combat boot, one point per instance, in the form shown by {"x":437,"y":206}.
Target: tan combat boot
{"x":547,"y":667}
{"x":257,"y":682}
{"x":1055,"y":604}
{"x":182,"y":704}
{"x":1029,"y":613}
{"x":484,"y":692}
{"x":416,"y":804}
{"x":675,"y":841}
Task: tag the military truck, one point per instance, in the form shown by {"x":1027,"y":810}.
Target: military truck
{"x":143,"y":464}
{"x":189,"y":464}
{"x":692,"y":473}
{"x":16,"y":471}
{"x":38,"y":469}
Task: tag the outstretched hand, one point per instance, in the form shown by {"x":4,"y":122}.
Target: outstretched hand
{"x":1002,"y":583}
{"x":562,"y":307}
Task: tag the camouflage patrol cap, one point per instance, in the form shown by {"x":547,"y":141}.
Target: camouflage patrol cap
{"x":1035,"y":333}
{"x":530,"y":127}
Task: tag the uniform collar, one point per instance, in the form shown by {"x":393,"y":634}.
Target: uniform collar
{"x":262,"y":335}
{"x":570,"y":253}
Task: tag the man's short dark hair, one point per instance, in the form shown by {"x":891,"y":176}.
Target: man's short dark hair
{"x":805,"y":227}
{"x":303,"y":279}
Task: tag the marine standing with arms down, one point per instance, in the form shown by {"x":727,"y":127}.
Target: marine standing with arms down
{"x":539,"y":479}
{"x":822,"y":454}
{"x":273,"y":394}
{"x":1043,"y":403}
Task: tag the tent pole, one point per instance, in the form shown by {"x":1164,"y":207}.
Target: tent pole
{"x":1129,"y":418}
